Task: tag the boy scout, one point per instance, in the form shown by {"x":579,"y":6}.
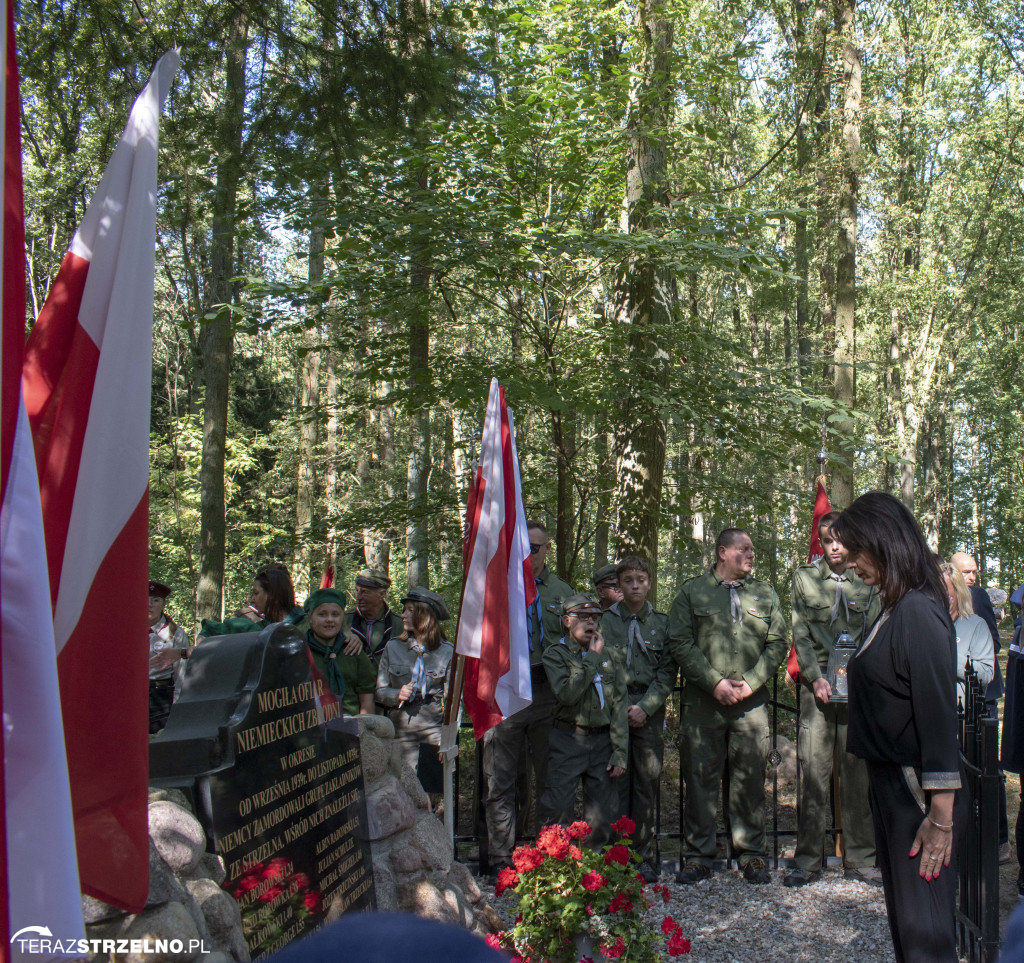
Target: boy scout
{"x":727,"y":633}
{"x":829,"y":599}
{"x":507,"y":743}
{"x":639,"y":634}
{"x":589,"y":740}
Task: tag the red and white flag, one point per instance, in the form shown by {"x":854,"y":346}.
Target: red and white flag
{"x":38,"y":873}
{"x":498,"y":583}
{"x":815,"y":552}
{"x":87,"y":382}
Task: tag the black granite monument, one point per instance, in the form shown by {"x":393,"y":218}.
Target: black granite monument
{"x":275,"y":777}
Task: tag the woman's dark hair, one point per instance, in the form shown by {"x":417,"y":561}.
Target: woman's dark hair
{"x":277,"y":583}
{"x":425,"y":626}
{"x":882,"y":526}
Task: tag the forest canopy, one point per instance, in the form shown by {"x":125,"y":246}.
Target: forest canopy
{"x":706,"y":247}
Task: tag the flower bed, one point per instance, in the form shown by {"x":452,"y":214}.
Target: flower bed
{"x":567,"y":892}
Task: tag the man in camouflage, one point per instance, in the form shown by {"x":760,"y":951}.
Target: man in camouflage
{"x":728,"y":636}
{"x":828,"y":599}
{"x":639,"y":635}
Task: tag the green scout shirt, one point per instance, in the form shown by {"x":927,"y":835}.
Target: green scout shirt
{"x":571,"y":673}
{"x":381,"y":630}
{"x":552,"y":591}
{"x":709,"y":646}
{"x":814,"y":632}
{"x":649,"y":666}
{"x":358,"y":671}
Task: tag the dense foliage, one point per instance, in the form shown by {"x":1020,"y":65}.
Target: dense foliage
{"x":651,"y":221}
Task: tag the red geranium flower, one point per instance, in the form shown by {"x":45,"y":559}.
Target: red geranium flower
{"x":593,"y":881}
{"x":620,"y":902}
{"x":678,"y":945}
{"x":554,"y":841}
{"x":617,"y":854}
{"x":507,"y":879}
{"x":585,"y":959}
{"x":624,"y":826}
{"x":527,"y":858}
{"x":669,"y":926}
{"x":614,"y":951}
{"x":589,"y":909}
{"x":578,"y":830}
{"x":576,"y":853}
{"x":493,"y":940}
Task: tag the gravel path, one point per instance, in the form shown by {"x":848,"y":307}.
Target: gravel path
{"x":730,"y":921}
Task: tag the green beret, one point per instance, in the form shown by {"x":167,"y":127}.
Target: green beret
{"x":320,"y":596}
{"x":419,"y":594}
{"x":606,"y":573}
{"x":371,"y":578}
{"x":583,"y":602}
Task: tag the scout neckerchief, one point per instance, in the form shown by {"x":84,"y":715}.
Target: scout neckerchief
{"x":419,"y":670}
{"x":363,"y":627}
{"x":335,"y":680}
{"x":535,"y":619}
{"x":840,"y":596}
{"x":634,"y":633}
{"x":597,"y":675}
{"x":735,"y":605}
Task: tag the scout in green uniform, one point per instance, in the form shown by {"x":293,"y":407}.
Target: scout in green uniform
{"x":371,"y":624}
{"x":827,"y":600}
{"x":606,"y":586}
{"x":589,"y":739}
{"x":352,"y":678}
{"x":507,"y":743}
{"x":639,"y":636}
{"x":728,"y":635}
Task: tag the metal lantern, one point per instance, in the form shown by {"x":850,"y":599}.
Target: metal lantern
{"x":843,"y":649}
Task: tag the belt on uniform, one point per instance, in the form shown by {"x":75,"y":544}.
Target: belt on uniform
{"x":636,"y":689}
{"x":162,"y":683}
{"x":579,"y":730}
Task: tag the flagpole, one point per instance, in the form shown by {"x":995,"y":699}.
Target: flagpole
{"x":449,"y":750}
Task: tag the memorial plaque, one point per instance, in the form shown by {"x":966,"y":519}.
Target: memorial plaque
{"x":276,"y":779}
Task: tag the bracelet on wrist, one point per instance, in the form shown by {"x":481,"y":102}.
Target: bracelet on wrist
{"x":942,"y":826}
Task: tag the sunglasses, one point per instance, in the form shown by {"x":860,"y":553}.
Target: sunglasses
{"x":534,"y":549}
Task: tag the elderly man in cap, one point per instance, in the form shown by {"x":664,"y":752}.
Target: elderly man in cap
{"x":606,"y":586}
{"x":589,"y":739}
{"x":371,"y":624}
{"x":168,"y":645}
{"x":411,"y":676}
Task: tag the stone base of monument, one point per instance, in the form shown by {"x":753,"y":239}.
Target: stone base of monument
{"x":186,"y":903}
{"x":413,"y":868}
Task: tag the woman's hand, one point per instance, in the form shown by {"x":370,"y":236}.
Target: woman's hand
{"x":934,"y":843}
{"x":405,"y":693}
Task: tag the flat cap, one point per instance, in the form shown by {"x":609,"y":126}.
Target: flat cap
{"x":419,"y":594}
{"x":606,"y":573}
{"x":158,"y":588}
{"x":371,"y":578}
{"x":581,"y":603}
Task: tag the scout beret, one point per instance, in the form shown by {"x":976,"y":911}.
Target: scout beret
{"x":371,"y":578}
{"x":320,"y":596}
{"x":158,"y":588}
{"x":419,"y":594}
{"x":606,"y":573}
{"x":582,"y":602}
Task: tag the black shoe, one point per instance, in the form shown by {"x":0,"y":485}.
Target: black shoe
{"x":755,"y":872}
{"x":649,"y":873}
{"x":801,"y":877}
{"x":693,"y":873}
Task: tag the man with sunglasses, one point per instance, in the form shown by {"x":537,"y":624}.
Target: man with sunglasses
{"x":525,"y":734}
{"x":589,"y":733}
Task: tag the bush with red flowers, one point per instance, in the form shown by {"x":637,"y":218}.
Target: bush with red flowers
{"x":579,"y":904}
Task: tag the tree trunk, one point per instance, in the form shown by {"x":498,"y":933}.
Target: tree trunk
{"x":216,"y":339}
{"x":845,"y":385}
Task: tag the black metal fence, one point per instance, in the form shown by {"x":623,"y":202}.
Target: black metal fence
{"x":977,"y":915}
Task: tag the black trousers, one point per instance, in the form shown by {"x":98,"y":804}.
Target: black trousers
{"x":921,"y":914}
{"x":161,"y":695}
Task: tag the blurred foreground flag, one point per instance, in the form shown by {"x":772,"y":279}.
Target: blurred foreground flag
{"x":38,"y":871}
{"x":87,"y":383}
{"x":498,"y":579}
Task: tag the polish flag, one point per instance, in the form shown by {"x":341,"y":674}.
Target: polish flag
{"x":86,"y":377}
{"x":38,"y":870}
{"x":498,"y":584}
{"x":821,"y":508}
